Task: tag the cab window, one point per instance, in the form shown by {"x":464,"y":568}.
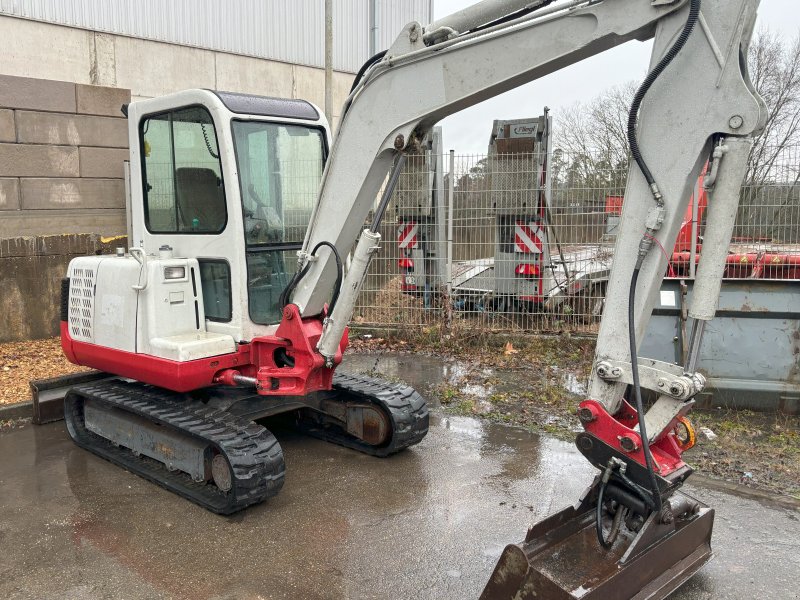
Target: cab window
{"x":280,"y":167}
{"x":183,"y":185}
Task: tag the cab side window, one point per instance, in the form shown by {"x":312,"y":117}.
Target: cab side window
{"x":215,"y":279}
{"x":183,"y":187}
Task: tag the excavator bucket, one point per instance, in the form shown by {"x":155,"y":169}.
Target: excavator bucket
{"x":561,"y":558}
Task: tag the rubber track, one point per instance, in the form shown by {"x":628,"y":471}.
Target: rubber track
{"x":252,"y":451}
{"x":406,"y":409}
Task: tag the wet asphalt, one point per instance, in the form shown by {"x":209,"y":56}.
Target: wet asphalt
{"x":427,"y":523}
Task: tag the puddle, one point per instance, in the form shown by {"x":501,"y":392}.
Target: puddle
{"x":573,"y":384}
{"x":419,"y":371}
{"x":425,"y":372}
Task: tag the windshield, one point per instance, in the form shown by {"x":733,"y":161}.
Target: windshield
{"x":279,"y":172}
{"x":280,"y":167}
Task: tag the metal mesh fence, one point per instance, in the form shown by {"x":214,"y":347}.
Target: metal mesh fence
{"x":497,"y":245}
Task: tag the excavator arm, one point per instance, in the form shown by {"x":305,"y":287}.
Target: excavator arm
{"x":415,"y":85}
{"x":697,"y":105}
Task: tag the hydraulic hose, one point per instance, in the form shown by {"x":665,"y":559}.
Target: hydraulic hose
{"x":369,"y":62}
{"x":598,"y":517}
{"x":647,"y":239}
{"x":637,"y":391}
{"x":337,"y":288}
{"x":598,"y":522}
{"x":641,"y":92}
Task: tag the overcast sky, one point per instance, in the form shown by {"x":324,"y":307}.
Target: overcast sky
{"x":468,"y":131}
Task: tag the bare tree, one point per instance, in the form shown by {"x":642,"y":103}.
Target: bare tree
{"x":592,"y":148}
{"x":771,"y":199}
{"x":774,"y":66}
{"x":591,"y":154}
{"x":598,"y":127}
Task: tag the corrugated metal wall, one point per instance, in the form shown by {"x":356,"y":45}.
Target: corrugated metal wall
{"x":285,"y":30}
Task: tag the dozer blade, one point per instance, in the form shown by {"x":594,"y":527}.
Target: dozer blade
{"x":561,"y":559}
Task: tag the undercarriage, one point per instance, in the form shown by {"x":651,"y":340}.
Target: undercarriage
{"x":208,"y":447}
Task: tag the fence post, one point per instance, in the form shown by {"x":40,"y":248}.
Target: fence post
{"x":450,"y":203}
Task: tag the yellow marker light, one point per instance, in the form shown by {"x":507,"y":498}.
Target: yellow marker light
{"x":685,"y":434}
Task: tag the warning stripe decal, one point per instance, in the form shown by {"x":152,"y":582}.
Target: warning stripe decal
{"x":528,"y":238}
{"x":407,"y":235}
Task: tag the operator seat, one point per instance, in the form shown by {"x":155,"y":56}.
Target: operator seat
{"x":201,"y":200}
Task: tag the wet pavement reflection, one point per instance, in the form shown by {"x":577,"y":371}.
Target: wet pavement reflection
{"x":428,"y":523}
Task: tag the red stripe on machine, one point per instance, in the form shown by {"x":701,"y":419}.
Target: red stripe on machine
{"x":528,"y":238}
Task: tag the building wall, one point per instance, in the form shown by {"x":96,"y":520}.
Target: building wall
{"x":62,"y":147}
{"x":149,"y":68}
{"x":31,"y":269}
{"x":62,"y":194}
{"x":290,"y":31}
{"x":44,"y":64}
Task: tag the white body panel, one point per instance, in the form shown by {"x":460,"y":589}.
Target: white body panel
{"x":102,"y":302}
{"x":165,"y":319}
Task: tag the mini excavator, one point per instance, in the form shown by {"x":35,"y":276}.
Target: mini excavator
{"x":233,"y":300}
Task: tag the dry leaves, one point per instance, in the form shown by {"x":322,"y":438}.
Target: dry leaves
{"x":509,"y":349}
{"x":21,"y":362}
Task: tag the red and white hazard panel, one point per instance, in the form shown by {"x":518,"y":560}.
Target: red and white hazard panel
{"x":407,"y":235}
{"x":528,"y":237}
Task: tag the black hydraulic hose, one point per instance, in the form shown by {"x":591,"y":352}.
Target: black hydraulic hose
{"x":287,"y":292}
{"x":630,"y":485}
{"x":598,"y":521}
{"x":339,"y":273}
{"x":283,"y":300}
{"x":369,"y":62}
{"x":598,"y":516}
{"x":637,"y":391}
{"x":694,"y":13}
{"x":360,"y":75}
{"x":644,"y":246}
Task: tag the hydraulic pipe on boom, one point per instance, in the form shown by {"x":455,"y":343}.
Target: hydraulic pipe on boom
{"x":477,"y":15}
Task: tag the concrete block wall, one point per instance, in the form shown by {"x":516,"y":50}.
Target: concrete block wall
{"x":62,"y":147}
{"x":31,"y":269}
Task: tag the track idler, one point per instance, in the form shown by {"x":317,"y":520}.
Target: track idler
{"x":368,"y":415}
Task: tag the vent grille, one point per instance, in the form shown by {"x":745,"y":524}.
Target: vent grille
{"x":81,"y":304}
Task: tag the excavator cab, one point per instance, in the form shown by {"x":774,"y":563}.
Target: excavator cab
{"x":229,"y":180}
{"x":222,"y":187}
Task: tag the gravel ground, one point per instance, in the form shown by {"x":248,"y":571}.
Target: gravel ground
{"x":21,"y":362}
